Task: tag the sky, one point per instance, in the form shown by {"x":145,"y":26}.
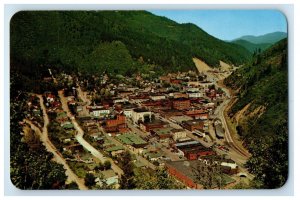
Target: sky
{"x":230,"y":24}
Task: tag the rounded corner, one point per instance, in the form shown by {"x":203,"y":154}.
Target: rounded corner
{"x":16,"y":14}
{"x":12,"y":183}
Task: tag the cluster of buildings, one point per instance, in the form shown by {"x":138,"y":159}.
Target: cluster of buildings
{"x":153,"y":121}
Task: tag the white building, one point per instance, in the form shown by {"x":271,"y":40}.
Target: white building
{"x":195,"y":94}
{"x":99,"y":112}
{"x":128,"y":112}
{"x":178,"y":134}
{"x":193,"y":89}
{"x":140,"y":114}
{"x":157,"y":97}
{"x":120,"y":100}
{"x":229,"y":164}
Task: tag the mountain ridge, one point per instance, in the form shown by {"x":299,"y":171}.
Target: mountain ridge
{"x":265,"y":38}
{"x":156,"y":40}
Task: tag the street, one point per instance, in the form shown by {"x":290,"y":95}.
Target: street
{"x":82,"y":141}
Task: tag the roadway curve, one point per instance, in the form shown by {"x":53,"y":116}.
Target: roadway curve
{"x":228,"y":136}
{"x":81,"y":140}
{"x":51,"y":148}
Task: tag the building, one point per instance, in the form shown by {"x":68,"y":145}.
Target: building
{"x":132,"y":139}
{"x":97,"y":112}
{"x":115,"y":150}
{"x":178,"y":134}
{"x":181,"y":104}
{"x":116,"y":125}
{"x":197,"y":114}
{"x":139,"y":115}
{"x":183,"y":171}
{"x":193,"y":150}
{"x":148,"y":126}
{"x":162,"y":133}
{"x":109,"y":176}
{"x":195,"y":94}
{"x":192,"y":125}
{"x":157,"y":97}
{"x":178,"y":95}
{"x":228,"y":166}
{"x":206,"y":84}
{"x":180,"y":118}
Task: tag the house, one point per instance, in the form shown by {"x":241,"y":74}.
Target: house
{"x":67,"y":125}
{"x":192,"y":125}
{"x":109,"y":176}
{"x":153,"y":155}
{"x":115,"y":150}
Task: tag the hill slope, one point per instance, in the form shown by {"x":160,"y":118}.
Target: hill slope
{"x":270,"y":38}
{"x":252,"y":46}
{"x":71,"y":39}
{"x":262,"y":92}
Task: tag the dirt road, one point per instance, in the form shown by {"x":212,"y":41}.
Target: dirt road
{"x":82,"y":141}
{"x":51,"y":148}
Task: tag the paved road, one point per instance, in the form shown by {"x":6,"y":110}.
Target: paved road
{"x":51,"y":148}
{"x":82,"y":141}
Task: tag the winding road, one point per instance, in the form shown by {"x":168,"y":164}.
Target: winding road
{"x":51,"y":148}
{"x":228,"y":136}
{"x":82,"y":141}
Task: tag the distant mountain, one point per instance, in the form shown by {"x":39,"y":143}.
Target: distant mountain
{"x":270,"y":38}
{"x":252,"y":46}
{"x":116,"y":41}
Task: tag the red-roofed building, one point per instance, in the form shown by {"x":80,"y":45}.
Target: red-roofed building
{"x":181,"y":104}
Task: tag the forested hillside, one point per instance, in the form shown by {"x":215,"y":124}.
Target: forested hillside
{"x":262,"y":85}
{"x":118,"y":41}
{"x":251,"y":47}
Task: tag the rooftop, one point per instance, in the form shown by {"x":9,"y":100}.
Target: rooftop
{"x":130,"y":138}
{"x":140,"y":110}
{"x":108,"y":173}
{"x":193,"y":122}
{"x":115,"y":148}
{"x":163,"y":131}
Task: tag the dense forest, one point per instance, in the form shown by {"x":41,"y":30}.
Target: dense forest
{"x":263,"y":86}
{"x":117,"y":41}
